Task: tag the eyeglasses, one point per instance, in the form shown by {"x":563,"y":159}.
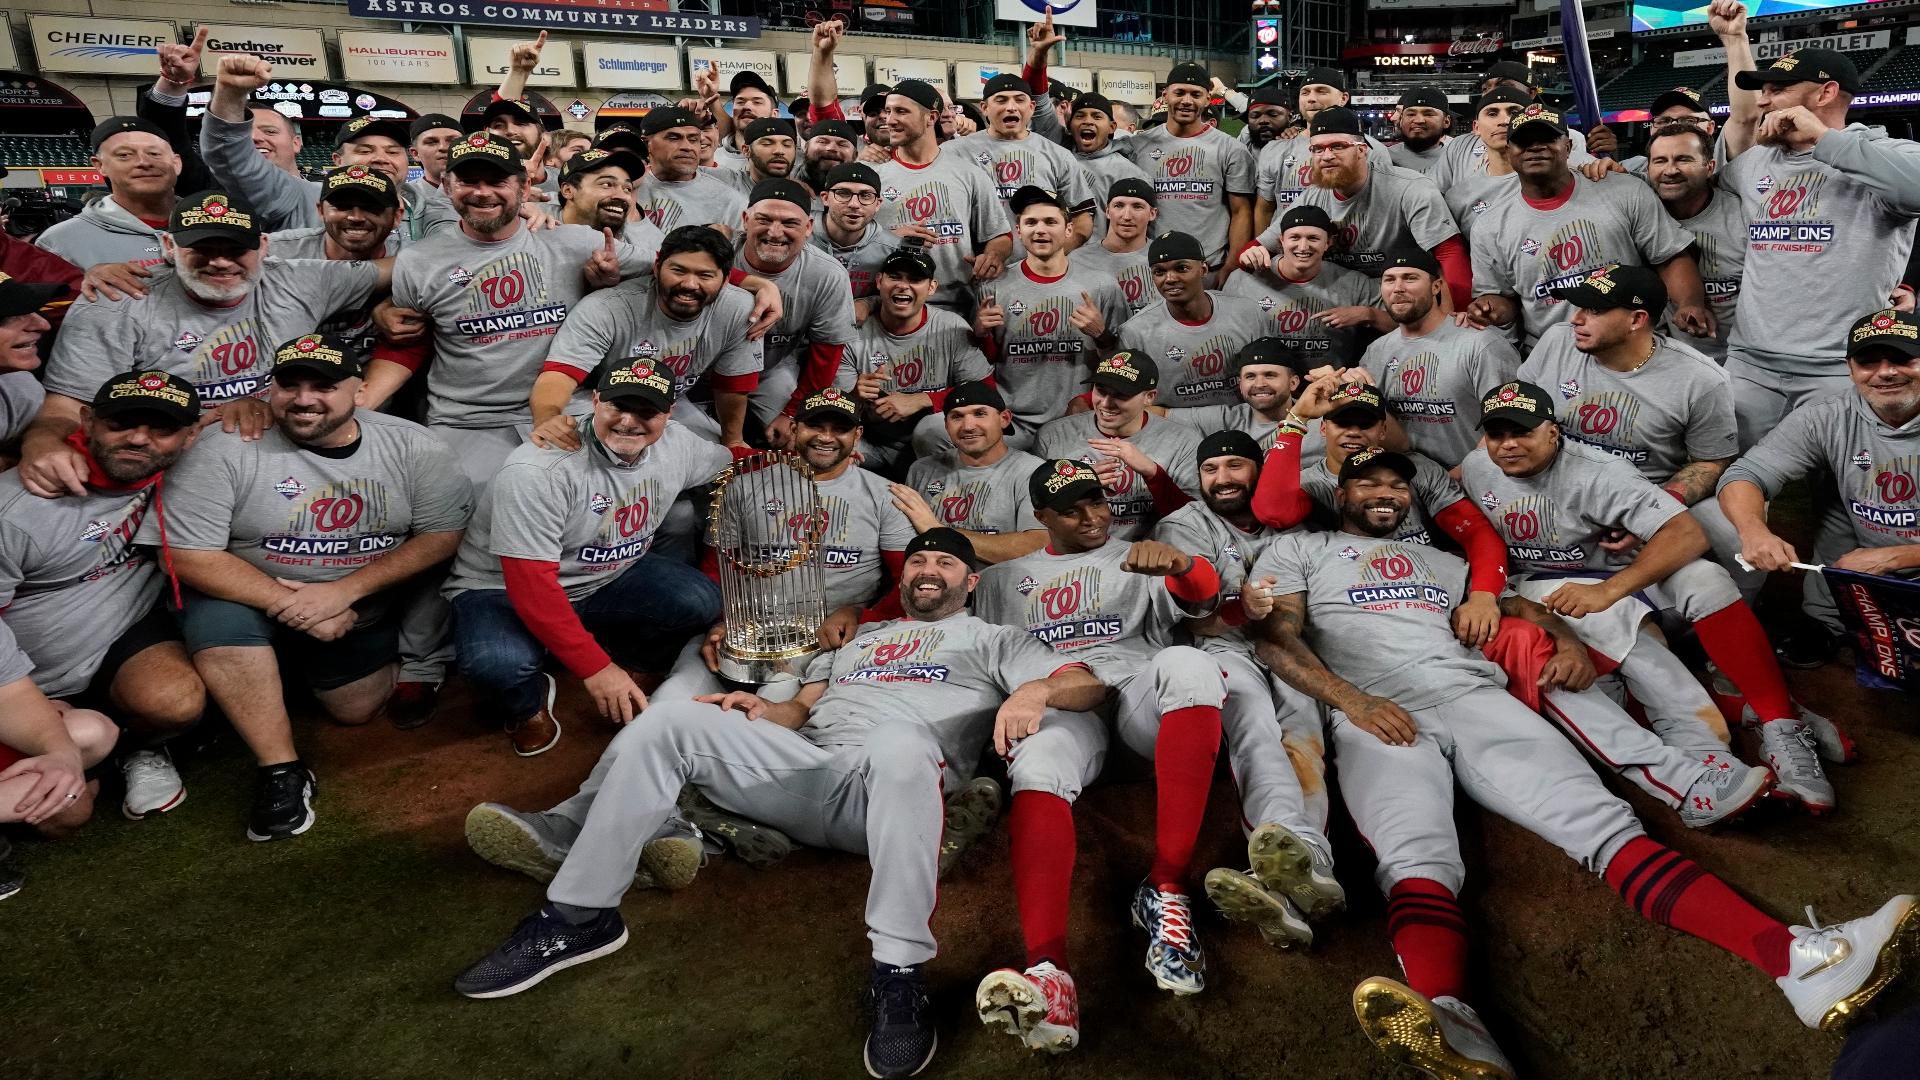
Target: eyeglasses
{"x":1331,"y":148}
{"x":864,"y":198}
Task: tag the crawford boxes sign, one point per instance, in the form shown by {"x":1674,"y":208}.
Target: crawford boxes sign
{"x":618,"y":16}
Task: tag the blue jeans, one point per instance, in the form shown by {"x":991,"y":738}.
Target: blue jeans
{"x":641,"y":618}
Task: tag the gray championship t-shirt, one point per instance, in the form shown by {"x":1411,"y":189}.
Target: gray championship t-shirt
{"x":292,"y":513}
{"x":1394,"y":208}
{"x":226,"y":353}
{"x":704,"y":200}
{"x":494,"y":308}
{"x":1167,"y":443}
{"x":861,"y":260}
{"x":1470,"y":192}
{"x":1127,"y":268}
{"x":862,"y":524}
{"x":979,"y":498}
{"x":1193,"y":177}
{"x":1433,"y":491}
{"x":1525,"y":251}
{"x":1284,"y":169}
{"x":1876,"y":467}
{"x":1720,"y":244}
{"x":1380,"y":614}
{"x":20,"y":398}
{"x":1040,"y":360}
{"x":937,"y":354}
{"x":626,"y":323}
{"x":1434,"y":383}
{"x":1014,"y":163}
{"x":1196,"y":359}
{"x":1197,"y":530}
{"x":1555,"y":519}
{"x":1085,"y":606}
{"x":952,"y":198}
{"x":818,"y":305}
{"x":1675,"y":408}
{"x":1290,"y":307}
{"x":584,"y":509}
{"x":1420,"y":161}
{"x":71,"y":581}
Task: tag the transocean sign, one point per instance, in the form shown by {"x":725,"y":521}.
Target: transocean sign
{"x":623,"y":16}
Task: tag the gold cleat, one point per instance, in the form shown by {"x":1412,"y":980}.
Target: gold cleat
{"x":1443,"y":1041}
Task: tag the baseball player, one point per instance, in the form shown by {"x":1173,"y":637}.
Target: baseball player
{"x":979,"y":488}
{"x":1515,"y":77}
{"x":1089,"y":134}
{"x":1194,"y":330}
{"x":214,"y":320}
{"x":1267,"y":371}
{"x":828,"y":145}
{"x":857,"y":761}
{"x":141,"y":170}
{"x":771,"y":154}
{"x":1684,"y":172}
{"x":846,"y":228}
{"x":1472,"y":183}
{"x":596,"y":190}
{"x":1323,"y":306}
{"x":1421,"y":118}
{"x":1116,"y":607}
{"x":1120,"y":248}
{"x":1432,"y":370}
{"x":1274,"y":735}
{"x":906,"y":361}
{"x":305,"y":545}
{"x":21,"y":327}
{"x":1145,"y":460}
{"x":80,"y":615}
{"x":684,"y":319}
{"x":675,"y":191}
{"x":1562,"y":227}
{"x":750,"y":98}
{"x":1364,"y":625}
{"x":429,"y":138}
{"x":939,"y":189}
{"x":358,"y":209}
{"x":805,"y":348}
{"x":1375,"y":210}
{"x":1014,"y":157}
{"x":1571,"y":517}
{"x":1285,"y":167}
{"x":1043,"y":323}
{"x":1205,"y":177}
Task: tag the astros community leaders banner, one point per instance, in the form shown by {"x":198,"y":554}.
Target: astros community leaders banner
{"x":632,"y":16}
{"x":99,"y":46}
{"x":1065,"y":12}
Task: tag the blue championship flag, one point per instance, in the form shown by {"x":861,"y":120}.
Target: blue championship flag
{"x":1586,"y":94}
{"x":1883,"y":614}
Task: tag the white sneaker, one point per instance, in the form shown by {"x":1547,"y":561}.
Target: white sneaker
{"x":1834,"y":971}
{"x":1443,"y":1038}
{"x":1726,"y":790}
{"x":1791,"y":753}
{"x":153,"y":784}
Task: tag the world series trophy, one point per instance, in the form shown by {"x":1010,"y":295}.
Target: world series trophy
{"x":765,"y":527}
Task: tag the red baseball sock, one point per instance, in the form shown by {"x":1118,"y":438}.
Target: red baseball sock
{"x":1041,"y":827}
{"x":1430,"y":936}
{"x":1738,"y":646}
{"x":1666,"y":887}
{"x":1183,"y":755}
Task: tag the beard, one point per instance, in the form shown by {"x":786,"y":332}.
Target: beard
{"x":945,"y":602}
{"x":1420,"y":145}
{"x":1357,"y":516}
{"x":204,"y":289}
{"x":310,"y":428}
{"x":123,"y":471}
{"x":1336,"y":177}
{"x":1235,"y":502}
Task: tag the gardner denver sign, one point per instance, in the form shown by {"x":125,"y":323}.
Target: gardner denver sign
{"x":629,"y":16}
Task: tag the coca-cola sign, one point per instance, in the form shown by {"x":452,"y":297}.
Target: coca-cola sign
{"x":1483,"y":46}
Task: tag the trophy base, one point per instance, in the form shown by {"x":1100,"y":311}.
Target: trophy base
{"x":761,"y":671}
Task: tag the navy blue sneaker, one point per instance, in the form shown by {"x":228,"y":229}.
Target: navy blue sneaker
{"x":902,"y":1040}
{"x":542,"y":944}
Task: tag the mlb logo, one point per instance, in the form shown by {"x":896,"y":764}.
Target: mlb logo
{"x":1268,"y":303}
{"x":646,"y":350}
{"x":1489,"y":500}
{"x":891,"y":194}
{"x":1479,"y":207}
{"x":1175,"y":352}
{"x":459,"y":276}
{"x":1530,"y":246}
{"x":290,"y":488}
{"x":95,"y":532}
{"x":985,"y":159}
{"x":1570,"y":388}
{"x":187,"y":341}
{"x":1862,"y":460}
{"x":1026,"y":586}
{"x":1763,"y":185}
{"x":1157,"y":154}
{"x":599,"y":504}
{"x":1017,"y":309}
{"x":1349,"y":553}
{"x":774,"y":507}
{"x":1232,"y":554}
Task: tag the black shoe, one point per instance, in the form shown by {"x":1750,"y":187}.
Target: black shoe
{"x":412,"y":704}
{"x":542,"y":944}
{"x":902,"y":1040}
{"x":11,"y":879}
{"x":283,"y":803}
{"x":759,"y":845}
{"x":1806,"y":646}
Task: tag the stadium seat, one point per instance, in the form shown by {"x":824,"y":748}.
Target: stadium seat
{"x":44,"y":152}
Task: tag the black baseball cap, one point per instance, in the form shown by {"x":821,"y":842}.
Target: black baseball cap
{"x":1679,"y":95}
{"x":1132,"y":187}
{"x":357,"y":185}
{"x":1413,"y":258}
{"x":1804,"y":65}
{"x":1508,"y":71}
{"x":20,"y":298}
{"x":156,"y":393}
{"x":779,"y":187}
{"x":975,"y":392}
{"x":1358,"y":401}
{"x":1229,"y":443}
{"x":1520,"y":403}
{"x":946,"y":541}
{"x":666,"y":118}
{"x":1509,"y":95}
{"x":1360,"y":461}
{"x":832,"y":402}
{"x":621,"y":137}
{"x":325,"y":355}
{"x":592,"y":161}
{"x":1034,"y":195}
{"x":1127,"y":372}
{"x":432,"y":121}
{"x":362,"y":127}
{"x":1189,"y":74}
{"x":875,"y":92}
{"x":1275,"y":351}
{"x":909,"y":261}
{"x":1003,"y":83}
{"x":1097,"y":102}
{"x":639,"y":382}
{"x":1059,"y":484}
{"x":839,"y":129}
{"x":120,"y":125}
{"x":1538,"y":116}
{"x":213,"y":215}
{"x":1325,"y":76}
{"x":1430,"y":97}
{"x":1898,"y":331}
{"x":1175,"y":245}
{"x":1335,"y":121}
{"x":483,"y":150}
{"x":919,"y":92}
{"x":1616,"y":286}
{"x":853,"y":172}
{"x":1270,"y":94}
{"x":748,"y":78}
{"x":799,"y":107}
{"x":768,"y":125}
{"x":1302,"y":216}
{"x":520,"y":109}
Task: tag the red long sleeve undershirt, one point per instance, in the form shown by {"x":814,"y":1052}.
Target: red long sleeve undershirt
{"x":1457,"y":269}
{"x":409,"y":356}
{"x":1278,"y":500}
{"x":887,"y":604}
{"x":533,"y":588}
{"x":1167,"y":496}
{"x":1198,"y":585}
{"x":1486,"y":552}
{"x":817,"y":373}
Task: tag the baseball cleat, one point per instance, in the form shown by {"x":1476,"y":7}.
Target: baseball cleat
{"x":1833,"y":744}
{"x":1788,"y":746}
{"x":514,"y":841}
{"x":670,"y":862}
{"x":1038,"y":1006}
{"x":1174,"y":958}
{"x":1443,"y":1038}
{"x":1834,"y":971}
{"x":1242,"y":898}
{"x":902,"y":1040}
{"x":1726,"y":790}
{"x":1296,"y":870}
{"x":970,"y":815}
{"x":758,"y":845}
{"x":541,"y":945}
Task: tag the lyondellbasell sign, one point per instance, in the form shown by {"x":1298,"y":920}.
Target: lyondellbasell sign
{"x":1132,"y":87}
{"x":619,"y":16}
{"x":291,"y":50}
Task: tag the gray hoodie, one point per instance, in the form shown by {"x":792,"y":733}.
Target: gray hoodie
{"x":104,"y":232}
{"x":280,"y":199}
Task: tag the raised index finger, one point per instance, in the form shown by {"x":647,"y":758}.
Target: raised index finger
{"x":199,"y":38}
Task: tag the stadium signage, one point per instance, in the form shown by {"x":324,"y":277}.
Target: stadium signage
{"x":849,"y":72}
{"x":397,"y":58}
{"x":99,"y":46}
{"x":489,"y":60}
{"x":291,"y":50}
{"x":1132,"y":87}
{"x":584,"y":15}
{"x":1764,"y":51}
{"x":619,"y":66}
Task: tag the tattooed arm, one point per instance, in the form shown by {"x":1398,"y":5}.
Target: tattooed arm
{"x":1284,"y":652}
{"x":1696,"y":480}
